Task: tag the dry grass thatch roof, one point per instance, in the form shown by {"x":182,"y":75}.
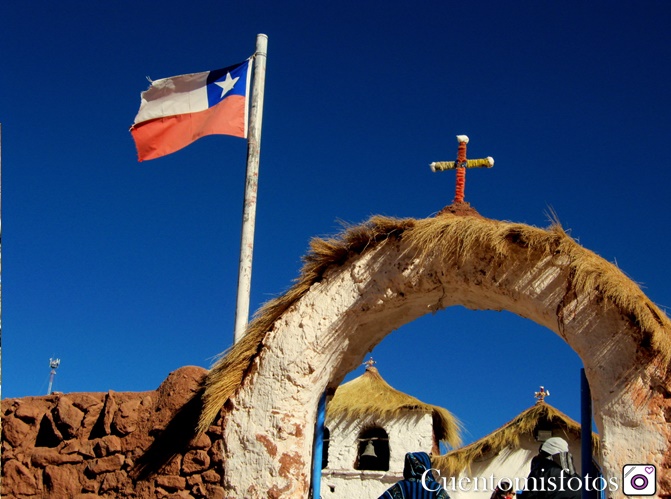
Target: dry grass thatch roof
{"x":452,"y":463}
{"x":452,"y":237}
{"x":370,"y":394}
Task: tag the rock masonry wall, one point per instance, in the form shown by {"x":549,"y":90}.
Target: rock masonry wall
{"x":85,"y":445}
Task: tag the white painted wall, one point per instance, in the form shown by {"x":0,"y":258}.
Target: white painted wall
{"x":411,"y":432}
{"x":357,"y":484}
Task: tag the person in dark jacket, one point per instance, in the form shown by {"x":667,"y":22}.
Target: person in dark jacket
{"x":416,"y":485}
{"x":552,"y":474}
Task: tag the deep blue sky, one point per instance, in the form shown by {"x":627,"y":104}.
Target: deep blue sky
{"x":127,"y":271}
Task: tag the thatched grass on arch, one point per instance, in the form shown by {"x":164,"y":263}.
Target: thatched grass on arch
{"x":228,"y":371}
{"x":452,"y":237}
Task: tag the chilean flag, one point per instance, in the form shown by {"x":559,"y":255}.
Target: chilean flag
{"x":177,"y":111}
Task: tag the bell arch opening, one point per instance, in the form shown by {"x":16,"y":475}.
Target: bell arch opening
{"x":379,"y":276}
{"x":373,"y":449}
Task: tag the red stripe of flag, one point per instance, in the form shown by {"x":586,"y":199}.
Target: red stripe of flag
{"x":161,"y":136}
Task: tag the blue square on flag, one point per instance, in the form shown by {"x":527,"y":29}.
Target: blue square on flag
{"x":222,"y":83}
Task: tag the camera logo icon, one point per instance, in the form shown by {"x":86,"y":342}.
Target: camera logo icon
{"x":639,"y":479}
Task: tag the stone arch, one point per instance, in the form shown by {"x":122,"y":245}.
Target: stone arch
{"x":356,"y":289}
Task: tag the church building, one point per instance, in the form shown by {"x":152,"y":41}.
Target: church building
{"x":506,"y":453}
{"x":369,"y":428}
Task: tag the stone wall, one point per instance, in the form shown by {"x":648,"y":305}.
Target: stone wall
{"x":85,"y":445}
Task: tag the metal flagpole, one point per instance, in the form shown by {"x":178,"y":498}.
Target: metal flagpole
{"x":251,"y":188}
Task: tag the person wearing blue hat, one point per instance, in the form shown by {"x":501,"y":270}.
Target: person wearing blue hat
{"x":418,"y":481}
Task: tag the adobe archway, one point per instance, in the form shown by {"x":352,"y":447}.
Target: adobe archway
{"x":386,"y":273}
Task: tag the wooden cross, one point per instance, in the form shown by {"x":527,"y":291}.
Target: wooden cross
{"x":460,"y":165}
{"x":541,"y":394}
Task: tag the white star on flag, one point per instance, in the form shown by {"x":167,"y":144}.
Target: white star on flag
{"x":227,"y":84}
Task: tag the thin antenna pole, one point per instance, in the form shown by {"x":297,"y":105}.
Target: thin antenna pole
{"x":53,"y":364}
{"x":251,"y":188}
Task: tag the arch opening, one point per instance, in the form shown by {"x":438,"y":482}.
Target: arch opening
{"x":482,"y":365}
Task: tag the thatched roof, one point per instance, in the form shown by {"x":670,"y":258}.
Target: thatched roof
{"x":453,"y":237}
{"x":370,"y":394}
{"x":509,"y":435}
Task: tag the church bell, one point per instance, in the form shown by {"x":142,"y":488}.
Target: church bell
{"x":370,"y":450}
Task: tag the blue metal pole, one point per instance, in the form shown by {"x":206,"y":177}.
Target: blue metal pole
{"x":586,"y":435}
{"x":318,"y":448}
